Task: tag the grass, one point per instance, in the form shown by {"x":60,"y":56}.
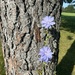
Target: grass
{"x":68,"y":22}
{"x":68,"y":14}
{"x":66,"y":63}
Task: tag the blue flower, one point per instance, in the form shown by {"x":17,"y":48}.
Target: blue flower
{"x":47,"y":21}
{"x":45,"y":54}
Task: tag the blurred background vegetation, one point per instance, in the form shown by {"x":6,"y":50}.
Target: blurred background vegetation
{"x":66,"y":63}
{"x":70,"y":9}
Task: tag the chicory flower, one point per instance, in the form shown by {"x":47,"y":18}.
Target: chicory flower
{"x":45,"y":54}
{"x":47,"y":22}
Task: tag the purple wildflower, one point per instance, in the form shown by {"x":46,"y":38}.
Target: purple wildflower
{"x":47,"y":21}
{"x":45,"y":54}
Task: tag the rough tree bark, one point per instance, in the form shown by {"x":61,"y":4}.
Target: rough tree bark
{"x":22,"y":35}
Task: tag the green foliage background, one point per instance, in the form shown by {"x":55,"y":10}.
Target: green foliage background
{"x":69,"y":9}
{"x":66,"y":64}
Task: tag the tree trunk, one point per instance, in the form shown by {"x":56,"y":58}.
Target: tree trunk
{"x":23,"y":36}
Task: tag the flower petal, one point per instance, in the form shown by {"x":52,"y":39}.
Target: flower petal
{"x":51,"y":19}
{"x":52,"y":23}
{"x":45,"y":54}
{"x":47,"y":21}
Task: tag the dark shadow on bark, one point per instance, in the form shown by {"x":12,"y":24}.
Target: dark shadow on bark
{"x":66,"y":65}
{"x":68,"y":23}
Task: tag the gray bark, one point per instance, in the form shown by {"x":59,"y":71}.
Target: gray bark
{"x":22,"y":35}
